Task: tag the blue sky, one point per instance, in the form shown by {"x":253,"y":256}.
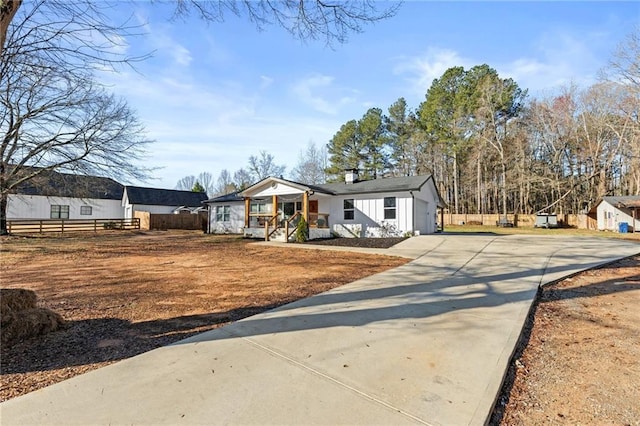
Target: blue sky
{"x":214,"y":94}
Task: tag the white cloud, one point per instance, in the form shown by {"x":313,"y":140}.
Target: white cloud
{"x":553,"y":60}
{"x":265,"y":82}
{"x":423,"y":69}
{"x":165,"y":45}
{"x":306,"y":91}
{"x":320,"y":93}
{"x":556,"y":59}
{"x":209,"y":126}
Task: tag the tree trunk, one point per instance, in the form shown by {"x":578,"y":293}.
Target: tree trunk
{"x":479,"y":189}
{"x":3,"y":213}
{"x":455,"y":181}
{"x":504,"y":187}
{"x":8,"y":10}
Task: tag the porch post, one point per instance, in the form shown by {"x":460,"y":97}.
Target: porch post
{"x":442,"y":219}
{"x":247,"y":206}
{"x":274,"y":212}
{"x":305,"y":206}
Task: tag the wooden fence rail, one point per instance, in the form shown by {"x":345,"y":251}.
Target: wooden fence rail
{"x":33,"y":226}
{"x":580,"y":221}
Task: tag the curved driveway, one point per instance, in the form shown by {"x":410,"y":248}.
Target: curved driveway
{"x":425,"y":343}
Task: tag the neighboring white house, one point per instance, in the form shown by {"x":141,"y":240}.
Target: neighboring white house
{"x":612,"y":211}
{"x":160,"y":201}
{"x":372,"y":208}
{"x":54,"y":195}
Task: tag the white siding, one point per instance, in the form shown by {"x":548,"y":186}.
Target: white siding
{"x":426,"y":209}
{"x":236,"y":223}
{"x":423,"y":219}
{"x":369,"y":218}
{"x":153,"y":209}
{"x":609,"y":218}
{"x":39,"y":207}
{"x":280,"y":189}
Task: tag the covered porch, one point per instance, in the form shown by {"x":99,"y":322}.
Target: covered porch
{"x":273,"y":208}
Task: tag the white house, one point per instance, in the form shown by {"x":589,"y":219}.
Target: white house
{"x":160,"y":201}
{"x":372,"y":208}
{"x":226,"y":214}
{"x":54,"y":195}
{"x":611,"y":212}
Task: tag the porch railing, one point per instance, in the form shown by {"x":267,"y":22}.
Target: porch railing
{"x":319,"y":220}
{"x":293,"y":220}
{"x":267,"y":224}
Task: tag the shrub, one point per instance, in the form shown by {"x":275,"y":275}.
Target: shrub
{"x":302,"y":231}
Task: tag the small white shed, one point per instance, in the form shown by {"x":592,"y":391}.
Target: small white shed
{"x":613,"y":212}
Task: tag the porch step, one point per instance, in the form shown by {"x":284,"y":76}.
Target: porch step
{"x":278,"y":235}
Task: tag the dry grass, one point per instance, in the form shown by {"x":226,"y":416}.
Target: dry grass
{"x":123,"y":294}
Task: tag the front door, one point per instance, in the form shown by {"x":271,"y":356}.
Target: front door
{"x":313,"y":206}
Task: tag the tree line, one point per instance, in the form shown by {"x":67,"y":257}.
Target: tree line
{"x":490,"y":146}
{"x":493,"y":149}
{"x":310,"y":169}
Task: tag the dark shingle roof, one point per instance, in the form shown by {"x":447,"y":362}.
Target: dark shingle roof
{"x":392,"y":184}
{"x":164,"y":197}
{"x":54,"y":184}
{"x":226,"y":198}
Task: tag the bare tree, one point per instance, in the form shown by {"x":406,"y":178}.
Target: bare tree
{"x":206,"y":180}
{"x":224,"y":184}
{"x":242,"y":179}
{"x":264,"y":166}
{"x":186,"y":183}
{"x":303,"y":19}
{"x":54,"y":116}
{"x":312,"y":163}
{"x":624,"y":69}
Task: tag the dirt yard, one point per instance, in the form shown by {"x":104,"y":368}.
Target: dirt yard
{"x":125,"y":294}
{"x":582,"y":361}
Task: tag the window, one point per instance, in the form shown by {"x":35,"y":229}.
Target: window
{"x":389,"y":207}
{"x":59,"y":212}
{"x":260,"y":207}
{"x":349,"y":210}
{"x":223,"y":213}
{"x":86,"y":210}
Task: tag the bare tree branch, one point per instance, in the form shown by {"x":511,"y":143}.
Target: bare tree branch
{"x":330,"y":21}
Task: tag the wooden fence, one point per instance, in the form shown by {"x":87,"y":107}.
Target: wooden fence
{"x":580,"y":221}
{"x":163,"y":222}
{"x":36,"y":226}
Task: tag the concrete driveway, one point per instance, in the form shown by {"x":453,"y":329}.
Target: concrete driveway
{"x":426,"y":343}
